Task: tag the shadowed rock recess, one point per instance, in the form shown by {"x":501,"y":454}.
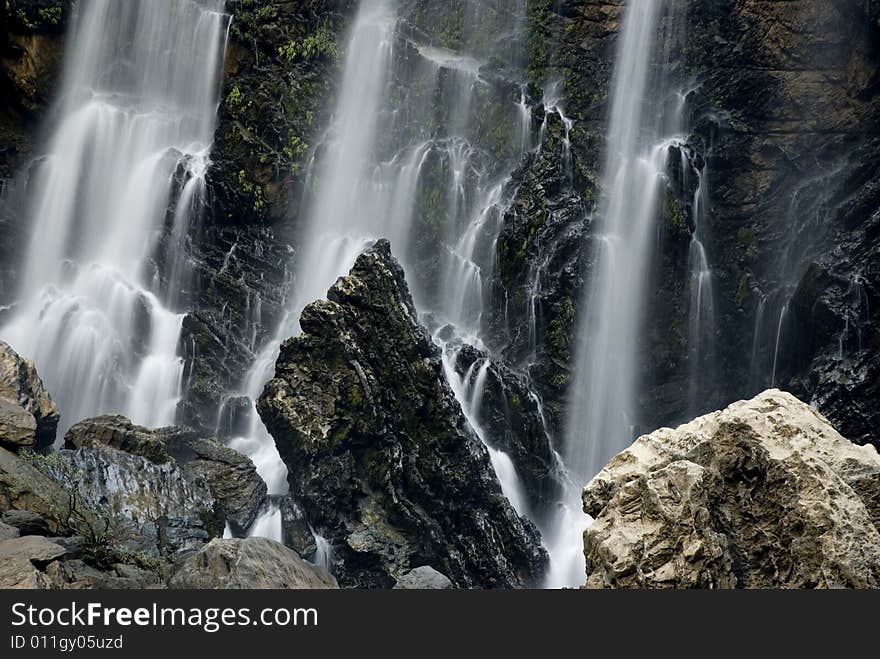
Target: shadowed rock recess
{"x":765,"y":494}
{"x":378,"y":449}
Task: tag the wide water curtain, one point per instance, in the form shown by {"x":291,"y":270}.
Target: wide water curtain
{"x":114,"y":196}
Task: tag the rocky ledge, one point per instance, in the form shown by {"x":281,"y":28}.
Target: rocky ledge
{"x":123,"y":506}
{"x":764,"y":494}
{"x":378,"y":449}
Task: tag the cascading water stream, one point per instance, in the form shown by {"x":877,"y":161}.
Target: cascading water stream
{"x":411,"y":167}
{"x":701,"y":326}
{"x":132,"y":138}
{"x":604,"y":389}
{"x":645,"y":123}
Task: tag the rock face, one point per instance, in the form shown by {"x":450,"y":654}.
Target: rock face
{"x":231,"y":477}
{"x":23,"y":487}
{"x":28,"y":417}
{"x":511,"y":420}
{"x":145,"y":507}
{"x":249,"y":563}
{"x":765,"y":494}
{"x":378,"y":449}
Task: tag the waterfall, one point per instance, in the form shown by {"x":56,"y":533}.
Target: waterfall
{"x":124,"y":165}
{"x":701,"y":302}
{"x":603,"y":412}
{"x":406,"y":157}
{"x":645,"y":123}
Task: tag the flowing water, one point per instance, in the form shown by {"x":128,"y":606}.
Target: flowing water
{"x":105,"y":263}
{"x":406,"y":157}
{"x":646,"y":123}
{"x":606,"y":368}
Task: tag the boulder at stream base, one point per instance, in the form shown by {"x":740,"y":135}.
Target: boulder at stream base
{"x":247,"y":564}
{"x":764,"y":494}
{"x":231,"y":477}
{"x":378,"y":450}
{"x":28,"y":417}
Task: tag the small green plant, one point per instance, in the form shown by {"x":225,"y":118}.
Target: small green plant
{"x":252,"y":189}
{"x":235,"y":102}
{"x":102,"y":531}
{"x":319,"y":44}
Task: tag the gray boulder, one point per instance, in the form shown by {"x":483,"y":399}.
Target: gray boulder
{"x":145,"y":507}
{"x":764,"y":494}
{"x":21,"y":560}
{"x":26,"y":522}
{"x":26,"y":491}
{"x":28,"y":417}
{"x":8,"y":532}
{"x":249,"y":563}
{"x":423,"y":578}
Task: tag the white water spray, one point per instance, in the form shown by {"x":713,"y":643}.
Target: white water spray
{"x":134,"y":130}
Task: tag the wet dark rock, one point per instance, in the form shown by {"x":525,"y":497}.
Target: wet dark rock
{"x":231,"y":476}
{"x":235,"y":418}
{"x":511,"y":420}
{"x":28,"y":417}
{"x":542,"y":262}
{"x":240,"y":281}
{"x":273,"y":101}
{"x":378,"y":450}
{"x":295,"y":530}
{"x":786,"y":117}
{"x":247,"y":564}
{"x":31,"y":48}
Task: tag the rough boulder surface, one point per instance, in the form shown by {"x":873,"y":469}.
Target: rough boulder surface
{"x":249,"y":563}
{"x":231,"y":476}
{"x":764,"y":494}
{"x":28,"y":417}
{"x":378,"y":450}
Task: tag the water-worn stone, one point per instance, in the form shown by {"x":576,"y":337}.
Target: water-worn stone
{"x":249,"y":563}
{"x":28,"y":417}
{"x":295,"y":530}
{"x":423,"y":578}
{"x":511,"y":420}
{"x":378,"y":450}
{"x":764,"y":494}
